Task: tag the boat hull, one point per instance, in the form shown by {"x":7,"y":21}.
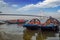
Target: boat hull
{"x":36,"y":27}
{"x":32,"y":27}
{"x":53,"y":28}
{"x":15,"y":22}
{"x":2,"y":22}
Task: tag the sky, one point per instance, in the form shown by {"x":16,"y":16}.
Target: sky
{"x":31,"y":7}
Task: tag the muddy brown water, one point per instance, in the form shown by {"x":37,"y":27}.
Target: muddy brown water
{"x":17,"y":32}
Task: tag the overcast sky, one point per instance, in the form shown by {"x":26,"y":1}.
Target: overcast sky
{"x":31,"y":7}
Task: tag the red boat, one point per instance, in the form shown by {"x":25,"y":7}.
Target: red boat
{"x":21,"y":21}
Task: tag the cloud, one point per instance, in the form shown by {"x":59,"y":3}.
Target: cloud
{"x":5,"y":8}
{"x":2,"y":3}
{"x":58,"y":11}
{"x":27,"y":7}
{"x":48,"y":4}
{"x":44,"y":4}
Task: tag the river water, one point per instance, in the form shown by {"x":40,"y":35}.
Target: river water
{"x":17,"y":32}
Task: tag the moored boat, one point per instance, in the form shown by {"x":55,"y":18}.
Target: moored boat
{"x":11,"y":21}
{"x":19,"y":21}
{"x":33,"y":24}
{"x":2,"y":22}
{"x":51,"y":24}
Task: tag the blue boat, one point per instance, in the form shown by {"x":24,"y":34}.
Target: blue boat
{"x":32,"y":27}
{"x":51,"y":24}
{"x":33,"y":24}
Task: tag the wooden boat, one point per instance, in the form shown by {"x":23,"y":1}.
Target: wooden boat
{"x":33,"y":24}
{"x":11,"y":21}
{"x":51,"y":24}
{"x":19,"y":21}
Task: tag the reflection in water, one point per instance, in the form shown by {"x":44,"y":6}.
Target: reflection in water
{"x":18,"y":32}
{"x":41,"y":35}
